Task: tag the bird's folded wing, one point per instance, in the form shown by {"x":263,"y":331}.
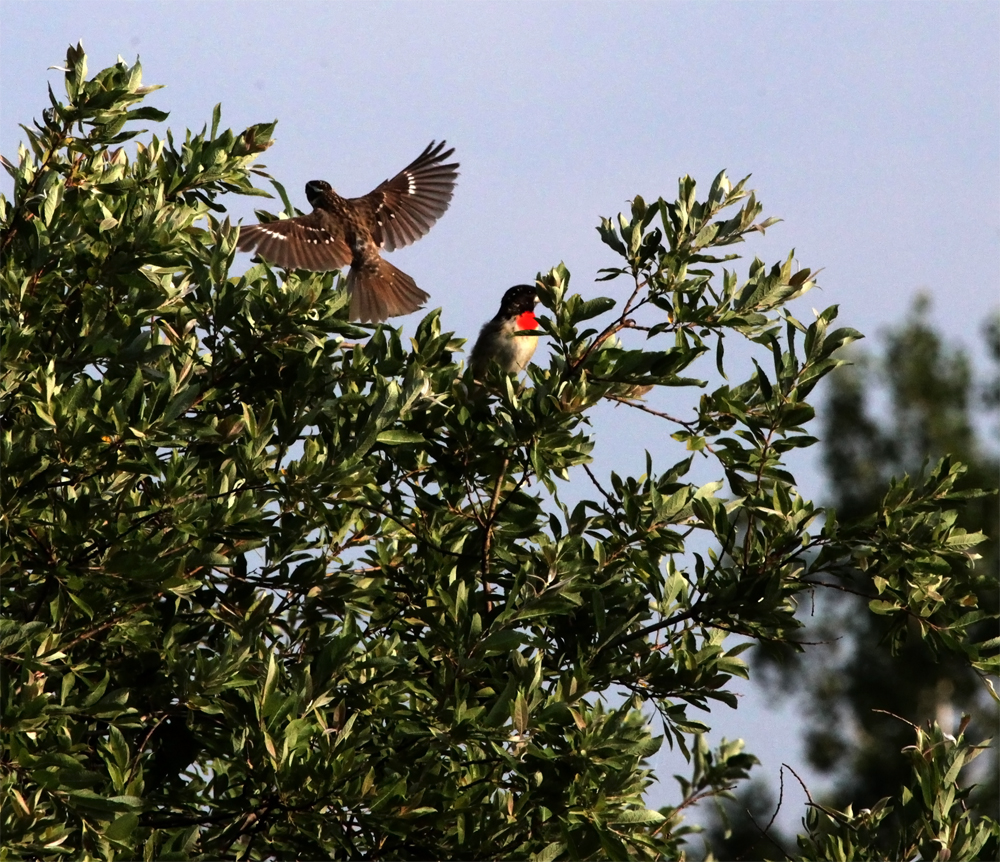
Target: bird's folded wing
{"x":296,"y":243}
{"x":406,"y":206}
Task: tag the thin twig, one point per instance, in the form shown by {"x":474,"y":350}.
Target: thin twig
{"x":143,"y":745}
{"x":611,"y":500}
{"x":376,"y":510}
{"x":781,"y":798}
{"x":96,"y":631}
{"x":616,"y":326}
{"x":764,"y":834}
{"x":638,"y":405}
{"x":836,"y":815}
{"x":517,"y":487}
{"x":893,"y":715}
{"x":921,"y":619}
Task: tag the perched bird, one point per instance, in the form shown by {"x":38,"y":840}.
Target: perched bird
{"x":498,"y":341}
{"x":341,"y":231}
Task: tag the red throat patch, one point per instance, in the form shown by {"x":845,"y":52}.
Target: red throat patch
{"x":526,"y":320}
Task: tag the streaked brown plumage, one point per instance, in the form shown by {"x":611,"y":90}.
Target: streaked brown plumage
{"x":341,"y":231}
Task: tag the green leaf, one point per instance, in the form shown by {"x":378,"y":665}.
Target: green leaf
{"x":398,"y":436}
{"x":593,"y":308}
{"x":550,"y":852}
{"x":520,"y":714}
{"x":500,"y":642}
{"x":122,"y":827}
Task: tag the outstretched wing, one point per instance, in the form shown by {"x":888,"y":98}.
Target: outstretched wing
{"x":305,"y":242}
{"x":407,"y":206}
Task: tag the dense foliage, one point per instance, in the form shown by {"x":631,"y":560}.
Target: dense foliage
{"x":934,"y":403}
{"x":887,"y":412}
{"x":276,"y":585}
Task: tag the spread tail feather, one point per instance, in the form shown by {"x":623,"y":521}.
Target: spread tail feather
{"x":379,"y":290}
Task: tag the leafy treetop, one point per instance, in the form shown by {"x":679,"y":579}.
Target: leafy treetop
{"x":276,"y":585}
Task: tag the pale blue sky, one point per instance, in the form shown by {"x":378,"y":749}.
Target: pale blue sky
{"x":872,"y":129}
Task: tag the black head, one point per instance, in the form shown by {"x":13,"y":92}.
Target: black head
{"x":518,"y":299}
{"x":315,"y":189}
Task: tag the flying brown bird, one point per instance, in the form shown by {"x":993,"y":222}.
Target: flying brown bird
{"x":341,"y":231}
